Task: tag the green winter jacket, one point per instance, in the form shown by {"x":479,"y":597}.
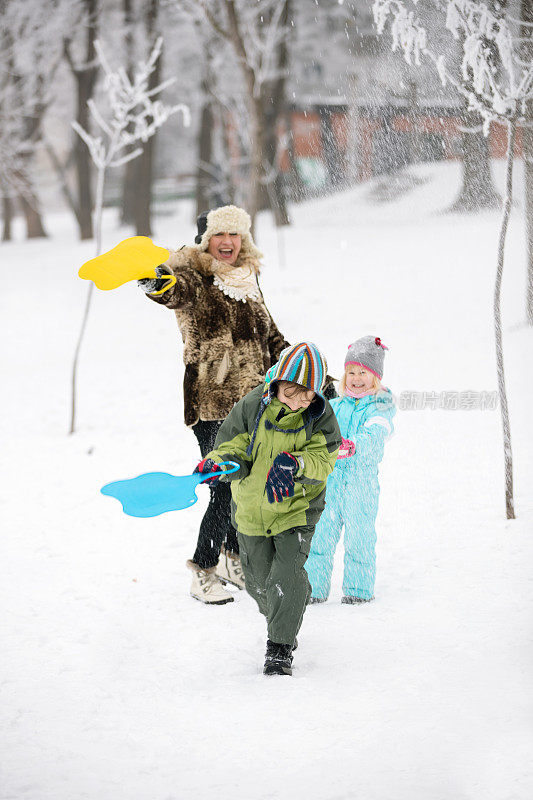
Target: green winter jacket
{"x":315,"y":446}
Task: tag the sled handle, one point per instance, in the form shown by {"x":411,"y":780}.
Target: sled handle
{"x":234,"y":467}
{"x":170,"y":283}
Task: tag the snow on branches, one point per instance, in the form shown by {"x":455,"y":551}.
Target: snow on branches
{"x":491,"y":75}
{"x":497,"y":82}
{"x":135,"y":117}
{"x":405,"y":30}
{"x":136,"y":114}
{"x":13,"y":145}
{"x":256,"y":31}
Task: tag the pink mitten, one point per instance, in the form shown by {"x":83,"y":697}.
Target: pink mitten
{"x":347,"y":448}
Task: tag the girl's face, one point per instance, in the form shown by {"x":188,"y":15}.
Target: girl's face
{"x":294,"y":396}
{"x":225,"y":247}
{"x":359,"y":379}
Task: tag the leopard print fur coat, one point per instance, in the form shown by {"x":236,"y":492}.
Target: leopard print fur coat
{"x":228,"y":344}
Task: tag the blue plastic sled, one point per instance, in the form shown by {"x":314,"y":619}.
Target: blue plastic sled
{"x":155,"y":493}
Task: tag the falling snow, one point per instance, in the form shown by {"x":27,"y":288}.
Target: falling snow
{"x":116,"y":684}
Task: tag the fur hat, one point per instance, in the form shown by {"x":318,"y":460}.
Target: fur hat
{"x":367,"y":352}
{"x":226,"y":219}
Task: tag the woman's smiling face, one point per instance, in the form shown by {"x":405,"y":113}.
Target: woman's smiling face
{"x":225,"y":247}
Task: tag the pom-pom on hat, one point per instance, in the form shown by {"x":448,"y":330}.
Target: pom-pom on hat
{"x":226,"y":219}
{"x":367,"y":352}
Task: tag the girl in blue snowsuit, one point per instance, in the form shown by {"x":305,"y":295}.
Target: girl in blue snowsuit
{"x":364,"y":412}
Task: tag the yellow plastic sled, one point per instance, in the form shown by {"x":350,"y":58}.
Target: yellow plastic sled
{"x":131,"y":260}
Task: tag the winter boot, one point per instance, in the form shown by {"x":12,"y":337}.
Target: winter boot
{"x":352,"y":601}
{"x":278,"y":659}
{"x":314,"y":600}
{"x":229,"y":569}
{"x":206,"y":586}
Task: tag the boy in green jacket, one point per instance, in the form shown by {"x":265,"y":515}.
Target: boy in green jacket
{"x":285,"y":438}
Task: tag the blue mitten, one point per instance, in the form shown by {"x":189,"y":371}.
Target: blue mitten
{"x":280,"y":478}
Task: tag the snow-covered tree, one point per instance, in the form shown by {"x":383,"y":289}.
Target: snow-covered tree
{"x":497,"y":82}
{"x":526,"y":22}
{"x":30,"y":52}
{"x":212,"y":175}
{"x":143,"y":167}
{"x":79,"y":50}
{"x":13,"y":148}
{"x":133,"y":116}
{"x":257,"y":34}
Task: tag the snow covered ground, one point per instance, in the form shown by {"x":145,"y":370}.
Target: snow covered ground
{"x":116,"y":685}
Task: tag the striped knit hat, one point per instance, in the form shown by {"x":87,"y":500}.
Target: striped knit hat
{"x":301,"y":363}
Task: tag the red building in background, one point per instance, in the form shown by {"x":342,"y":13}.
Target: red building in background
{"x":331,"y":144}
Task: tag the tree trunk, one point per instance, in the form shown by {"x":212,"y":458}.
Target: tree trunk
{"x":129,"y":180}
{"x":204,"y":178}
{"x":273,"y":109}
{"x":85,"y":78}
{"x":62,"y":176}
{"x":272,"y":190}
{"x":507,"y":451}
{"x":255,"y":111}
{"x":82,"y":160}
{"x":34,"y":224}
{"x":229,"y":178}
{"x":7,"y":216}
{"x":527,"y":55}
{"x":413,"y":113}
{"x":256,"y":158}
{"x":477,"y":191}
{"x":143,"y":189}
{"x":528,"y":165}
{"x":98,"y":209}
{"x":143,"y":204}
{"x":129,"y":192}
{"x":257,"y":99}
{"x":296,"y":184}
{"x":330,"y":148}
{"x":31,"y":125}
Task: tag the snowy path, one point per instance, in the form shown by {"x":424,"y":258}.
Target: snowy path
{"x":116,"y":685}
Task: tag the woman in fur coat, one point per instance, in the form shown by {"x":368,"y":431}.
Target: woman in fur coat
{"x":229,"y":342}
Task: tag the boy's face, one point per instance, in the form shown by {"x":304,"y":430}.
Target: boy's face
{"x":358,"y":379}
{"x":294,"y":395}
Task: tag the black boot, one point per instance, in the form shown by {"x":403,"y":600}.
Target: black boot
{"x":278,"y":659}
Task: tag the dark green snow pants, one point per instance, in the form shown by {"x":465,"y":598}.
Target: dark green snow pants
{"x":275,"y":577}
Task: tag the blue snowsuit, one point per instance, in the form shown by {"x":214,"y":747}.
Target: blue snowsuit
{"x":352,"y":498}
